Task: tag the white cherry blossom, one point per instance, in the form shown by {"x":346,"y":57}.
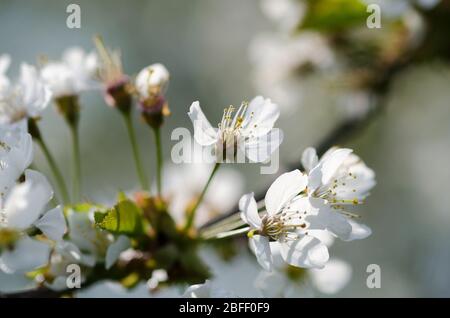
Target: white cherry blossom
{"x":26,"y":98}
{"x":71,"y":75}
{"x":293,"y":220}
{"x":247,"y":132}
{"x":340,"y":180}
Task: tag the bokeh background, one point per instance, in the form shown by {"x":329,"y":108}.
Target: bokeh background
{"x":205,"y":45}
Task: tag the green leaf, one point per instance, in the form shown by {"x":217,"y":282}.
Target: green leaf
{"x":334,"y":15}
{"x":124,"y":218}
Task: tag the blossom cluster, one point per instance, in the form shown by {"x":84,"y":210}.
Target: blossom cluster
{"x":152,"y":235}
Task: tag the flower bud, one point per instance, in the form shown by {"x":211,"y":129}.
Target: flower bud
{"x":152,"y":82}
{"x":151,"y":85}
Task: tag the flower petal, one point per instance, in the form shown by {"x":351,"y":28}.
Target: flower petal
{"x":261,"y":248}
{"x":27,"y":254}
{"x":327,"y":167}
{"x":359,"y":231}
{"x":261,"y":148}
{"x":27,"y":200}
{"x":249,"y":210}
{"x":308,"y":252}
{"x":113,"y":252}
{"x":333,"y":277}
{"x":53,"y":224}
{"x":284,"y":188}
{"x":309,"y":159}
{"x":260,"y":117}
{"x":204,"y":133}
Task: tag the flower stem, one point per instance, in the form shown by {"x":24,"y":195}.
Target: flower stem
{"x":191,"y":216}
{"x":35,"y":132}
{"x":134,"y":145}
{"x":159,"y":159}
{"x":55,"y":170}
{"x":76,"y":162}
{"x":228,"y":234}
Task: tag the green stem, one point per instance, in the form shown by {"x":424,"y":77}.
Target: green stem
{"x":137,"y":158}
{"x":35,"y":132}
{"x":228,"y":234}
{"x":76,"y":162}
{"x":191,"y":216}
{"x":55,"y":170}
{"x":159,"y":159}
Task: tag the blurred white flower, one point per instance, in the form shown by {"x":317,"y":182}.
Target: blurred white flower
{"x":249,"y":131}
{"x":281,"y":61}
{"x":291,"y":219}
{"x":71,"y":75}
{"x":287,"y":14}
{"x":329,"y":280}
{"x":337,"y":181}
{"x":224,"y":191}
{"x":158,"y":276}
{"x":206,"y":290}
{"x":23,"y":208}
{"x":112,"y":289}
{"x":25,"y":99}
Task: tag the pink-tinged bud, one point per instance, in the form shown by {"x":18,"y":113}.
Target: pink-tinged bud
{"x":118,"y":95}
{"x":151,"y":85}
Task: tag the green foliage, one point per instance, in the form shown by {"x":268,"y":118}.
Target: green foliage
{"x":124,"y":218}
{"x":334,"y":15}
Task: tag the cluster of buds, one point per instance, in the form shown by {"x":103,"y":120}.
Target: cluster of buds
{"x":150,"y":86}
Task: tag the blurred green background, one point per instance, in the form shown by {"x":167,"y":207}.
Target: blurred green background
{"x":204,"y":44}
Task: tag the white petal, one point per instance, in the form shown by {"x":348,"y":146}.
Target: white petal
{"x":249,"y":210}
{"x":199,"y":290}
{"x":322,"y":216}
{"x":260,"y":117}
{"x":27,"y":255}
{"x":284,"y":188}
{"x":261,"y":148}
{"x":112,"y":254}
{"x":36,"y":95}
{"x":13,"y":283}
{"x":359,"y":231}
{"x":271,"y":284}
{"x":309,"y":159}
{"x":26,"y":201}
{"x":333,"y":277}
{"x":204,"y":133}
{"x":261,"y":248}
{"x":327,"y":167}
{"x":308,"y":252}
{"x":53,"y":224}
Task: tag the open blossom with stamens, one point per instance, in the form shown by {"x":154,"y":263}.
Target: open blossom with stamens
{"x":340,"y":179}
{"x":71,"y":75}
{"x":293,"y":220}
{"x":25,"y":99}
{"x":248,"y":131}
